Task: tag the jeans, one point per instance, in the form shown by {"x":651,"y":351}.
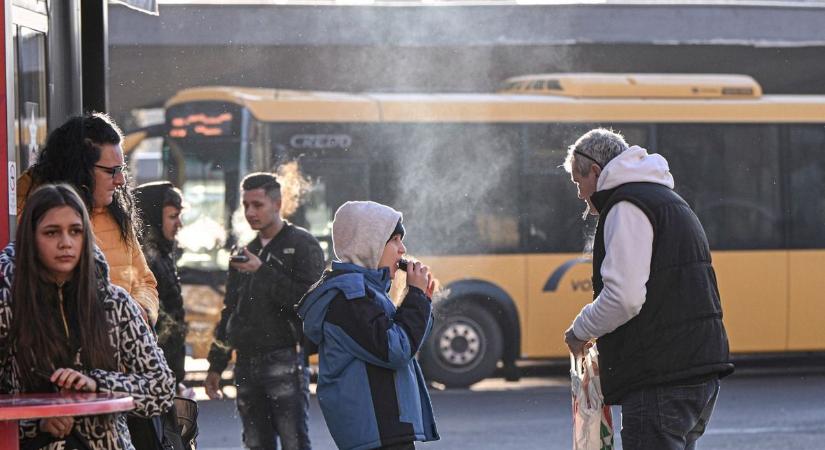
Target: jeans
{"x":667,"y":417}
{"x":273,"y":399}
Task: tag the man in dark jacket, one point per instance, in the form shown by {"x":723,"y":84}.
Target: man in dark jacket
{"x":266,"y":281}
{"x":656,"y":313}
{"x":160,"y":206}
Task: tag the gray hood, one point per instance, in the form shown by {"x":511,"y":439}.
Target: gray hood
{"x":360,"y":231}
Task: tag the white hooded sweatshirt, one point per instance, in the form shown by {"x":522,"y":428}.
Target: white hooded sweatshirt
{"x":628,"y":242}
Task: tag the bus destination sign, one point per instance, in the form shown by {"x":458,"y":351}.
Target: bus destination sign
{"x":201,"y":125}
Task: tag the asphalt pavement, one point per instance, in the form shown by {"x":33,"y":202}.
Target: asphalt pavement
{"x":758,"y":409}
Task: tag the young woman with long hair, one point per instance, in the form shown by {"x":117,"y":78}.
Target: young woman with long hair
{"x":85,"y":152}
{"x":64,"y":325}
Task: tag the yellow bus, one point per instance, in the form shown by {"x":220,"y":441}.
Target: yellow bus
{"x":489,"y":209}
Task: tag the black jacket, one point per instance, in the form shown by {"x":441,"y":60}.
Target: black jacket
{"x":259,"y":308}
{"x":171,"y":326}
{"x":678,"y":336}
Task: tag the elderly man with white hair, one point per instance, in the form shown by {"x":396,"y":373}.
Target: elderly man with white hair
{"x":656,"y":314}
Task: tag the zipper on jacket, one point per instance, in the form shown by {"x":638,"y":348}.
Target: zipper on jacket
{"x":62,"y":308}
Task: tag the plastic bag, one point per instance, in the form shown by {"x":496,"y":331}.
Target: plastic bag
{"x":592,"y":419}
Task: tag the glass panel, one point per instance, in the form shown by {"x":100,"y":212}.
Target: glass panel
{"x":333,"y":182}
{"x":40,"y":6}
{"x":807,"y":186}
{"x":145,"y":161}
{"x":212,"y":223}
{"x":729,"y":174}
{"x":457,"y":186}
{"x":331,"y":167}
{"x":31,"y":106}
{"x":554,"y":212}
{"x":16,"y":78}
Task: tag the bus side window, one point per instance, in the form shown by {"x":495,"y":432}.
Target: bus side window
{"x":806,"y":178}
{"x":730,"y":175}
{"x":458,"y":183}
{"x":552,"y":210}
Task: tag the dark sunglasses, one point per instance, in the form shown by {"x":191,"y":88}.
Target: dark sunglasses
{"x":581,"y":153}
{"x":113,"y":171}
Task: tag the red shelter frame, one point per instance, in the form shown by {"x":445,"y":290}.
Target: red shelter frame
{"x":5,"y":151}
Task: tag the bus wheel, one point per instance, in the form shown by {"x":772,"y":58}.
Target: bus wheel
{"x":464,"y":347}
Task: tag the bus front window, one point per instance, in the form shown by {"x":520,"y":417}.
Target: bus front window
{"x":212,"y":220}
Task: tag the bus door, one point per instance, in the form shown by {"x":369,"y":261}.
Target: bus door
{"x":730,"y":176}
{"x":208,"y":174}
{"x":806,"y":236}
{"x":204,"y":157}
{"x":559,"y":233}
{"x":557,"y":238}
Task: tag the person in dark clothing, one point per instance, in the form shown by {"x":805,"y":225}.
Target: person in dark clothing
{"x":370,"y":387}
{"x":259,"y":322}
{"x":160,"y":206}
{"x":656,"y":313}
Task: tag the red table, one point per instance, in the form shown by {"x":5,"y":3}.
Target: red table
{"x":36,"y":406}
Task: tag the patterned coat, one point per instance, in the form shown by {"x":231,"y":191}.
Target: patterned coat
{"x":143,"y":371}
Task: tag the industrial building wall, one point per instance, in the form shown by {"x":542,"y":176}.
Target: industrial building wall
{"x":294,"y":48}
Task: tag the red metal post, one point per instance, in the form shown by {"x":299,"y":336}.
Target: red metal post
{"x":8,"y":433}
{"x":4,"y":150}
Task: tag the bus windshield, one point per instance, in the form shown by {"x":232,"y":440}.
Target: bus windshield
{"x":213,"y":223}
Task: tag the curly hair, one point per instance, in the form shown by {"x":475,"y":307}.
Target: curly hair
{"x":70,"y":154}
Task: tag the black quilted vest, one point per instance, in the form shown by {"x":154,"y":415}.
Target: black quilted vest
{"x":678,"y":335}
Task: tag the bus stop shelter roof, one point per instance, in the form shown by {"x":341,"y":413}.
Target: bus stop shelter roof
{"x":145,"y":6}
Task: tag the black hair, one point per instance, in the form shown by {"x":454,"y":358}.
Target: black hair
{"x":265,"y":181}
{"x":150,"y":199}
{"x":70,"y":155}
{"x":399,"y":230}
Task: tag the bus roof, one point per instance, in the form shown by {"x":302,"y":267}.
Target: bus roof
{"x":270,"y":105}
{"x":275,"y":105}
{"x":629,"y":85}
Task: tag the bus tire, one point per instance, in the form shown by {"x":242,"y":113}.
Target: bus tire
{"x":464,"y":347}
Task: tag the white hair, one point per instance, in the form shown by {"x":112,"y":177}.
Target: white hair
{"x":599,"y":145}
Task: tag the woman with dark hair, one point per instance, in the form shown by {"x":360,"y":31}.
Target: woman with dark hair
{"x":85,"y":152}
{"x":160,"y":205}
{"x":64,"y":325}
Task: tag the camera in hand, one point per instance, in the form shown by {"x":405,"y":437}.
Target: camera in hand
{"x":402,"y":264}
{"x":238,"y":258}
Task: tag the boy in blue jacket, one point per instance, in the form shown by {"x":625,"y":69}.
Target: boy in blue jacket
{"x":370,"y":387}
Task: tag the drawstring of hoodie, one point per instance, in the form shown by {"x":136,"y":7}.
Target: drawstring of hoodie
{"x":62,"y":306}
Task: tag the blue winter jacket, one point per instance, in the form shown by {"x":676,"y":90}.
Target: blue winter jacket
{"x":370,"y":387}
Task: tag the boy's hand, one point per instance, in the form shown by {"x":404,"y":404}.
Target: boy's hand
{"x":419,"y":275}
